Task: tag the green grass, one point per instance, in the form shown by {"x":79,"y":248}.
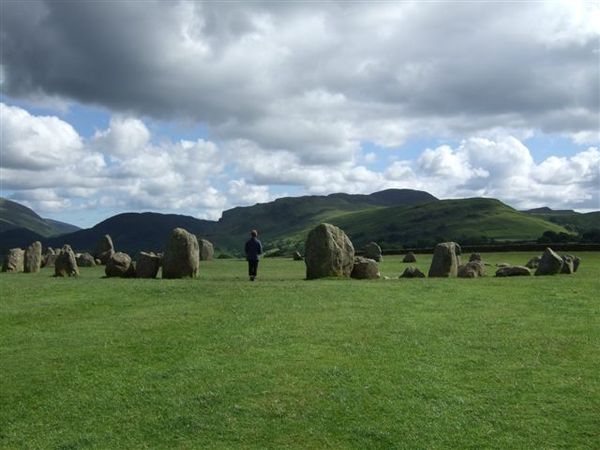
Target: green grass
{"x":219,"y":362}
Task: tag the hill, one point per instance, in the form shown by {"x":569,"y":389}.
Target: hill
{"x":13,"y":216}
{"x":571,"y":220}
{"x":132,"y":232}
{"x":474,"y":220}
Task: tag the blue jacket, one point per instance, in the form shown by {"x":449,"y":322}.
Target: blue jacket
{"x":253,"y":248}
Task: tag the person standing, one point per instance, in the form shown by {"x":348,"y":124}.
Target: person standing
{"x":253,"y":250}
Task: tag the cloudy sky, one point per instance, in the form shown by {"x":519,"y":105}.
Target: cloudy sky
{"x":195,"y":107}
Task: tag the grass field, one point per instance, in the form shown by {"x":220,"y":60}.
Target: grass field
{"x":219,"y":362}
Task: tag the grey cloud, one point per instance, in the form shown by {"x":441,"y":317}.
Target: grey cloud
{"x":457,"y":68}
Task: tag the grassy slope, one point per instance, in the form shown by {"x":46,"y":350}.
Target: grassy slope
{"x":442,"y":220}
{"x":14,"y":215}
{"x":219,"y":362}
{"x":575,"y":221}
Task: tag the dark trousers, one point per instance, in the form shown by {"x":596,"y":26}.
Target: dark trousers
{"x":252,"y":267}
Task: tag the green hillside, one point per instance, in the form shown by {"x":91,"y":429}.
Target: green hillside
{"x":474,"y":220}
{"x":13,"y":215}
{"x":571,"y":220}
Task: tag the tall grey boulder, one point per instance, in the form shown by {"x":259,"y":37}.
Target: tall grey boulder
{"x":66,"y":264}
{"x":550,"y":264}
{"x":365,"y":269}
{"x":49,"y":257}
{"x":33,"y":258}
{"x":105,"y":249}
{"x":328,"y":253}
{"x":207,"y":250}
{"x":14,"y":261}
{"x":120,"y":265}
{"x":182,"y":255}
{"x":409,"y":258}
{"x":373,"y":251}
{"x":147,"y":265}
{"x":445,"y":260}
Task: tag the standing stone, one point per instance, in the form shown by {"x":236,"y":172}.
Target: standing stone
{"x":147,"y":265}
{"x":328,"y":253}
{"x":14,"y":261}
{"x":365,"y":269}
{"x":297,"y":256}
{"x":409,"y":258}
{"x":568,"y":264}
{"x":85,"y":260}
{"x":533,"y":263}
{"x":412,"y":272}
{"x":105,"y":249}
{"x":445,"y":260}
{"x":513,"y":271}
{"x":181,"y":258}
{"x":550,"y":264}
{"x":472,"y":269}
{"x":207,"y":250}
{"x":576,"y":262}
{"x":33,"y":258}
{"x":66,"y":264}
{"x":373,"y":251}
{"x":120,"y":265}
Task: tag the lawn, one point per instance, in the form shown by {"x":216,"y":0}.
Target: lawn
{"x":219,"y":362}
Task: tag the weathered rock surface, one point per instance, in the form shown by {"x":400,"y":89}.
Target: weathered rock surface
{"x":105,"y":249}
{"x":576,"y":262}
{"x":533,"y":263}
{"x":373,"y":251}
{"x":365,"y":269}
{"x":412,"y":272}
{"x":328,"y":253}
{"x":445,"y":260}
{"x":472,"y":269}
{"x":181,"y":257}
{"x":568,"y":264}
{"x":297,"y":256}
{"x":147,"y":265}
{"x":85,"y":260}
{"x":33,"y":258}
{"x":409,"y":258}
{"x":550,"y":264}
{"x":14,"y":261}
{"x":207,"y":250}
{"x":513,"y":271}
{"x":120,"y":265}
{"x":66,"y":264}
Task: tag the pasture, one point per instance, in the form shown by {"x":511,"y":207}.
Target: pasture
{"x":219,"y":362}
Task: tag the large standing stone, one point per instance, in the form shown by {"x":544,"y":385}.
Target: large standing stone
{"x":409,"y":258}
{"x":14,"y":261}
{"x":49,"y":257}
{"x":105,"y":249}
{"x":181,"y":258}
{"x":33,"y":258}
{"x":120,"y":265}
{"x":472,"y":269}
{"x":147,"y":265}
{"x":373,"y":251}
{"x":85,"y":260}
{"x":207,"y":250}
{"x":445,"y":260}
{"x":66,"y":264}
{"x":412,"y":272}
{"x":328,"y":253}
{"x":550,"y":264}
{"x":513,"y":271}
{"x":365,"y":269}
